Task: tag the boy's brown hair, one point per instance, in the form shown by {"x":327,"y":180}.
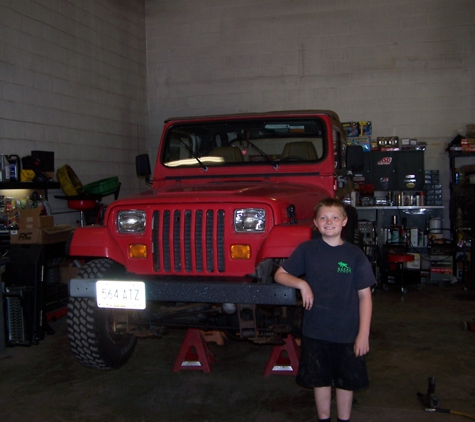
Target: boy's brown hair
{"x":329,"y":202}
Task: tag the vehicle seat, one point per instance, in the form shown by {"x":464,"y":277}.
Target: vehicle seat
{"x":230,"y":154}
{"x":303,"y":149}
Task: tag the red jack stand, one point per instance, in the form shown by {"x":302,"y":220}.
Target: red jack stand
{"x":284,"y":360}
{"x":194,"y":353}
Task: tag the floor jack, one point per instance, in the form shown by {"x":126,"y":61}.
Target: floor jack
{"x":432,"y":403}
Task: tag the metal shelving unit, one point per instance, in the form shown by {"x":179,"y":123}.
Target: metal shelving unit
{"x":453,"y":158}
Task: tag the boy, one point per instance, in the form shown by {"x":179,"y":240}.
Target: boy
{"x":337,"y":315}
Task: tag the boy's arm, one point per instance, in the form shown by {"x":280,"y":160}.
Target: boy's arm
{"x":366,"y":308}
{"x":283,"y":277}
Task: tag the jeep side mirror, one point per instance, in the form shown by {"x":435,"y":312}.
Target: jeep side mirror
{"x":142,"y":167}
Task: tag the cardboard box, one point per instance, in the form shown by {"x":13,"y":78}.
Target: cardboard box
{"x":468,"y":148}
{"x":30,"y":218}
{"x":416,"y":264}
{"x":364,"y":141}
{"x":67,"y":271}
{"x":389,"y":143}
{"x":355,"y":129}
{"x":351,"y":129}
{"x":41,"y":235}
{"x":366,"y":128}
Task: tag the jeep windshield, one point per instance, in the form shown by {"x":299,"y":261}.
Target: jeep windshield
{"x":244,"y":142}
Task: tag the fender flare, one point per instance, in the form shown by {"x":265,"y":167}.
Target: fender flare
{"x":92,"y":241}
{"x":282,"y":241}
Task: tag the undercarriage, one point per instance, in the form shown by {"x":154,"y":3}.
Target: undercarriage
{"x":259,"y":324}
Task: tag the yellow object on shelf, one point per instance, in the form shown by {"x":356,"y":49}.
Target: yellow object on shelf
{"x":27,"y":175}
{"x":70,"y":183}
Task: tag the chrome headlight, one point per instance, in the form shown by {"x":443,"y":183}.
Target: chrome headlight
{"x":131,"y":221}
{"x":249,"y":220}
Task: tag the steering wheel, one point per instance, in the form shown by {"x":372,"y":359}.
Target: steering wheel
{"x":293,"y":158}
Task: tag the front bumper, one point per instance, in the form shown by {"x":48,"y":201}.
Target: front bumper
{"x":200,"y":291}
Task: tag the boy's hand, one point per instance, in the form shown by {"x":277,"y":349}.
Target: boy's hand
{"x":361,"y":346}
{"x":283,"y":277}
{"x":307,"y":295}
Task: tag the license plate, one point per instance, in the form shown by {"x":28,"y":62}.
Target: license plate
{"x":120,"y":294}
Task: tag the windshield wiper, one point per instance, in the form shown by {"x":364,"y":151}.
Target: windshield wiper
{"x":195,"y":156}
{"x":274,"y":165}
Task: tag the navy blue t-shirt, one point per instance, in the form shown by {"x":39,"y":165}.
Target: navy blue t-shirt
{"x":335,"y":274}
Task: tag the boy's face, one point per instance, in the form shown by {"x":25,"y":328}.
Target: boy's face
{"x":330,"y":222}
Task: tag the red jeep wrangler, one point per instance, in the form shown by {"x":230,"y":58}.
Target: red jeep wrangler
{"x":231,"y":197}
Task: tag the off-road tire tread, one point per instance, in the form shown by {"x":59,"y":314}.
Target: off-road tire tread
{"x":89,"y":342}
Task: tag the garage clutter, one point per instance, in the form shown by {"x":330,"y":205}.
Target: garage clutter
{"x":40,"y":229}
{"x":71,"y":185}
{"x":85,"y":198}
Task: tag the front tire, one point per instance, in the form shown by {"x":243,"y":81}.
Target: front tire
{"x":90,"y":329}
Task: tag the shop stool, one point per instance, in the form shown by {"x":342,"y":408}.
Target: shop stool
{"x":82,"y":205}
{"x":394,"y":258}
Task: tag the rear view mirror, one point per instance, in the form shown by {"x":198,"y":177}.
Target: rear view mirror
{"x":142,"y":167}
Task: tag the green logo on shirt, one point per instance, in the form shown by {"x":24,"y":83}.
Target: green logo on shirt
{"x":343,"y":268}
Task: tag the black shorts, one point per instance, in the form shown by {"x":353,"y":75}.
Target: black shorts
{"x":324,"y":364}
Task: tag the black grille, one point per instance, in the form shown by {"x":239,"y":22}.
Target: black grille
{"x":187,"y":241}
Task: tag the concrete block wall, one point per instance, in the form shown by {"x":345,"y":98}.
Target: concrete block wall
{"x":73,"y":81}
{"x":407,"y":66}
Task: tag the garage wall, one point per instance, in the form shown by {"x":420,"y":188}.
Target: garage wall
{"x":73,"y":73}
{"x":73,"y":81}
{"x":407,"y":66}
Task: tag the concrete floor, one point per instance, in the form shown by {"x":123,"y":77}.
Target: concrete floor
{"x":413,"y":337}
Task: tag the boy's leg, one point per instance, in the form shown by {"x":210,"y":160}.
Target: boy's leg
{"x":344,"y":401}
{"x":323,"y":398}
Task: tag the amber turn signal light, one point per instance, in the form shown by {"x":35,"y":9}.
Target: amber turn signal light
{"x":137,"y":251}
{"x":240,"y":252}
